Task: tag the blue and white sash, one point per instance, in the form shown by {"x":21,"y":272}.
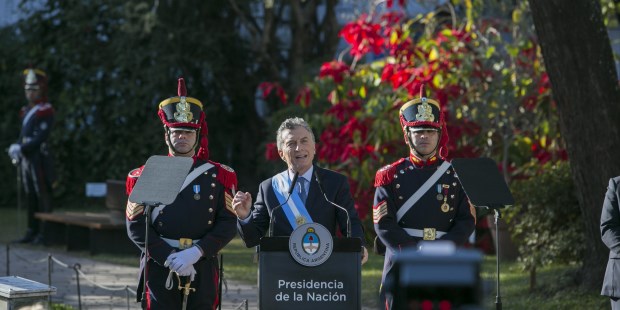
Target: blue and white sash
{"x":294,"y":209}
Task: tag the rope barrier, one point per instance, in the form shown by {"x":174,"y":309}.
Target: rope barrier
{"x":100,"y":285}
{"x":50,"y":259}
{"x":243,"y":303}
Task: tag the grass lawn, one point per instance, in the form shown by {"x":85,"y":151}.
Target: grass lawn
{"x":556,"y":289}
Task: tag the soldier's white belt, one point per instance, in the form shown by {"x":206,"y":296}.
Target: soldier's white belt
{"x":182,"y":243}
{"x":426,"y":233}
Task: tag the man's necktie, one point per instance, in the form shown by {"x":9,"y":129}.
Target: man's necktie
{"x":302,"y":189}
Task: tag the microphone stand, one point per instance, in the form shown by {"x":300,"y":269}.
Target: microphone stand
{"x":318,"y":180}
{"x":290,"y":191}
{"x":498,"y":297}
{"x":147,"y":219}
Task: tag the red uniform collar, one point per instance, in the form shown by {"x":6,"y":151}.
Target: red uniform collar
{"x":419,"y":163}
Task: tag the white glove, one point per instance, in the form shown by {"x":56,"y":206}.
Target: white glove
{"x":15,"y":151}
{"x":183,"y":262}
{"x":188,"y":272}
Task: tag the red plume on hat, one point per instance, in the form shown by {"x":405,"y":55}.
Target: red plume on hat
{"x":186,"y":112}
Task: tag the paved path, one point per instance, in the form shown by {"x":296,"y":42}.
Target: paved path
{"x":96,"y":280}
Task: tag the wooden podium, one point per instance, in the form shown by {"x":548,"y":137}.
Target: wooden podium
{"x":283,"y":283}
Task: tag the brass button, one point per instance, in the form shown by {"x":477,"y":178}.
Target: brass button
{"x":214,"y":175}
{"x":397,"y":185}
{"x":212,"y":184}
{"x":161,"y":211}
{"x":396,"y":176}
{"x":454,"y":184}
{"x":160,"y":224}
{"x":210,"y":197}
{"x":210,"y":222}
{"x":400,"y":197}
{"x":402,"y":171}
{"x":210,"y":210}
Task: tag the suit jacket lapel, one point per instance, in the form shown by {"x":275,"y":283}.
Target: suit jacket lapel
{"x":312,"y":202}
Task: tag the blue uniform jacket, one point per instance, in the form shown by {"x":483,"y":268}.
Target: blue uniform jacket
{"x":397,"y":182}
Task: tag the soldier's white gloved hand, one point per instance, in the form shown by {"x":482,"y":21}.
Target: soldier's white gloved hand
{"x":188,"y":272}
{"x":15,"y":151}
{"x":180,"y":262}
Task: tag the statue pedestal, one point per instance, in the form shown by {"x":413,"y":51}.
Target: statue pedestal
{"x":20,"y":293}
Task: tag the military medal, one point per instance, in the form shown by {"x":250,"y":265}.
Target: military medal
{"x":445,"y":207}
{"x":439,"y":195}
{"x":196,"y":192}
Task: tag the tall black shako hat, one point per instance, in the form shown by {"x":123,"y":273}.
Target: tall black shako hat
{"x":182,"y":112}
{"x":424,"y":114}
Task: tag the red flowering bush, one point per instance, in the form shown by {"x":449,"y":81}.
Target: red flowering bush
{"x":493,"y":90}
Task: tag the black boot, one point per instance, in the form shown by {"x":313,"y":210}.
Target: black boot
{"x":27,"y":238}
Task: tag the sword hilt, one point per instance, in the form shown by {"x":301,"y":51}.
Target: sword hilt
{"x":186,"y":288}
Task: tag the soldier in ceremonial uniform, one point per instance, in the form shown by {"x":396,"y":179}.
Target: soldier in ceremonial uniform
{"x":296,"y":146}
{"x":186,"y":236}
{"x":419,"y":197}
{"x":31,"y":152}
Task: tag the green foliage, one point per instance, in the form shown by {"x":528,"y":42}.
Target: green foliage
{"x":545,"y":222}
{"x":110,"y":63}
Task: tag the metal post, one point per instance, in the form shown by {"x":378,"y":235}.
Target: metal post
{"x":127,"y":293}
{"x":49,"y":278}
{"x":77,"y":267}
{"x":8,"y":248}
{"x":221,"y":277}
{"x":498,"y":298}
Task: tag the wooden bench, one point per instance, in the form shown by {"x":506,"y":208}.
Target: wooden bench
{"x":86,"y":231}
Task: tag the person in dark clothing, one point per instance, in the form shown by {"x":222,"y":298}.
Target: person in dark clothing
{"x":185,"y":236}
{"x":610,"y":234}
{"x":419,"y":197}
{"x":31,"y":153}
{"x":296,"y":146}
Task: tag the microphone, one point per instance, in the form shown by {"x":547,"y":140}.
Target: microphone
{"x":290,"y":191}
{"x":318,"y":180}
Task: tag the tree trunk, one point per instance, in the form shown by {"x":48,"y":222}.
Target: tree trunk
{"x":578,"y":58}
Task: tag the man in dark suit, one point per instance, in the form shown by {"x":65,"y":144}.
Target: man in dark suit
{"x":31,"y":153}
{"x":419,"y":198}
{"x":296,"y":146}
{"x":610,"y":233}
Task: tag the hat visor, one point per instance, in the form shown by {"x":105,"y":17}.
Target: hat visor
{"x":422,"y":128}
{"x":183,"y":129}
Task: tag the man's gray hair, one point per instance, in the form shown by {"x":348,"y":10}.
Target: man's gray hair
{"x":291,"y":123}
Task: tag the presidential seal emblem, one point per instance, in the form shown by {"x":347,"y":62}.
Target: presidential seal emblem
{"x":311,"y":244}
